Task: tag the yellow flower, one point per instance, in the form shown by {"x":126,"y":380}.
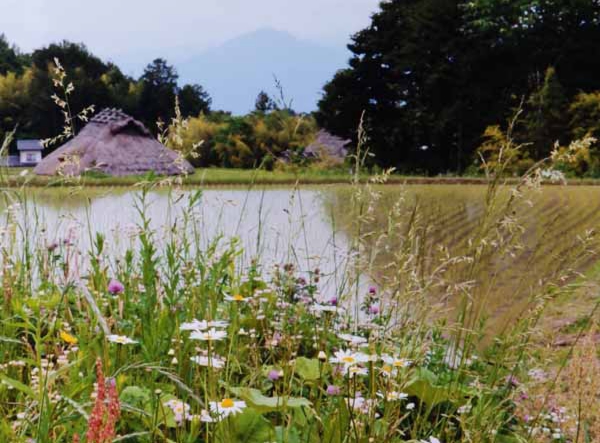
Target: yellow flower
{"x":236,"y":297}
{"x":68,"y":338}
{"x":227,"y":403}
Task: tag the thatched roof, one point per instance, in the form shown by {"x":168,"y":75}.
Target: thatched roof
{"x":113,"y":143}
{"x":329,"y":145}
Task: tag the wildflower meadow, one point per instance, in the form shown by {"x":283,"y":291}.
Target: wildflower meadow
{"x":177,"y":339}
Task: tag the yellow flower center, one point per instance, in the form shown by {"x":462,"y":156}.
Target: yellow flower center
{"x":227,"y":403}
{"x":68,"y":337}
{"x":348,"y":359}
{"x":238,"y":297}
{"x":398,"y":363}
{"x":386,"y":368}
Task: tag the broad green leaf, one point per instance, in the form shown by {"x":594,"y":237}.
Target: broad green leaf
{"x":136,"y":396}
{"x":262,"y":403}
{"x":307,"y":368}
{"x":423,"y":385}
{"x":251,"y":427}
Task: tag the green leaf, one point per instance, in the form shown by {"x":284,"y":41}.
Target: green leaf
{"x":136,"y":396}
{"x":423,"y":385}
{"x":17,"y":385}
{"x":307,"y":368}
{"x":251,"y":427}
{"x":262,"y":403}
{"x":293,"y":436}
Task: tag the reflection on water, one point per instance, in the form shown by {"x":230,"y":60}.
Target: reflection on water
{"x":549,"y":225}
{"x":274,"y":225}
{"x":281,"y":225}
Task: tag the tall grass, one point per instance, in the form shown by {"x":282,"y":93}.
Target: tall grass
{"x":199,"y":343}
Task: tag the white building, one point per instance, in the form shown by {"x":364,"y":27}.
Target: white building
{"x":30,"y":152}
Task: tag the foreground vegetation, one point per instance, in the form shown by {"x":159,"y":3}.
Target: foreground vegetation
{"x":175,"y":339}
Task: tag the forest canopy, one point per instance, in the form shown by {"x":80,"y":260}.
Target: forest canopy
{"x":432,"y":75}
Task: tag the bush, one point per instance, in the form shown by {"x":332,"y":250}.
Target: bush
{"x":248,"y":141}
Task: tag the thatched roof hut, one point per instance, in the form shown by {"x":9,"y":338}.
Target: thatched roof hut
{"x":328,"y":145}
{"x":113,"y":143}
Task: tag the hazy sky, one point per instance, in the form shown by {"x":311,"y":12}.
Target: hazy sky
{"x":116,"y":29}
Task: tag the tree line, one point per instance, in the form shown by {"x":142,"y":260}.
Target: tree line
{"x":436,"y":81}
{"x":26,"y":89}
{"x":220,"y":139}
{"x":432,"y":75}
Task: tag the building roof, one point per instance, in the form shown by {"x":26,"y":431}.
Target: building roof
{"x":116,"y":144}
{"x":328,"y":144}
{"x":29,"y":145}
{"x":109,"y":115}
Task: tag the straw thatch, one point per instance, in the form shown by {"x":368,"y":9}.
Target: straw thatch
{"x":116,"y":144}
{"x":328,"y":145}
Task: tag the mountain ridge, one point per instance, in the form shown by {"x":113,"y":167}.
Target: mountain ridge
{"x":235,"y":72}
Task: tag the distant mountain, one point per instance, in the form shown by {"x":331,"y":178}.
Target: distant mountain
{"x":235,"y":72}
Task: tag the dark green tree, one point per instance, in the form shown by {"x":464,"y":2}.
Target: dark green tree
{"x":431,"y":75}
{"x":10,"y":58}
{"x":264,"y":103}
{"x":193,"y":100}
{"x":408,"y":75}
{"x":159,"y":89}
{"x":545,"y":121}
{"x":95,"y":82}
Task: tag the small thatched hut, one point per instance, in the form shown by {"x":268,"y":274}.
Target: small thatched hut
{"x":113,"y":143}
{"x":327,"y":145}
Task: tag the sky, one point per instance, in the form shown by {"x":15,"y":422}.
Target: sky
{"x":131,"y":32}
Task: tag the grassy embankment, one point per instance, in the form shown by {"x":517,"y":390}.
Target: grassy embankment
{"x":223,"y":176}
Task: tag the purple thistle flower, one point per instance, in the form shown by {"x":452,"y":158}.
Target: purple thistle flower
{"x":333,"y":301}
{"x":333,"y":390}
{"x":372,"y":290}
{"x":512,"y":381}
{"x":273,"y":375}
{"x":115,"y":287}
{"x":374,"y":309}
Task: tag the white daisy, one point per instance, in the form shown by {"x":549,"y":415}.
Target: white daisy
{"x":120,"y":339}
{"x":395,"y":361}
{"x":361,"y":405}
{"x":226,"y":407}
{"x":203,"y":360}
{"x":236,"y":298}
{"x":393,"y":395}
{"x":204,"y":417}
{"x":323,"y":308}
{"x":357,"y":370}
{"x":180,"y":409}
{"x":201,"y":325}
{"x":210,"y":335}
{"x":348,"y":358}
{"x":353,"y":339}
